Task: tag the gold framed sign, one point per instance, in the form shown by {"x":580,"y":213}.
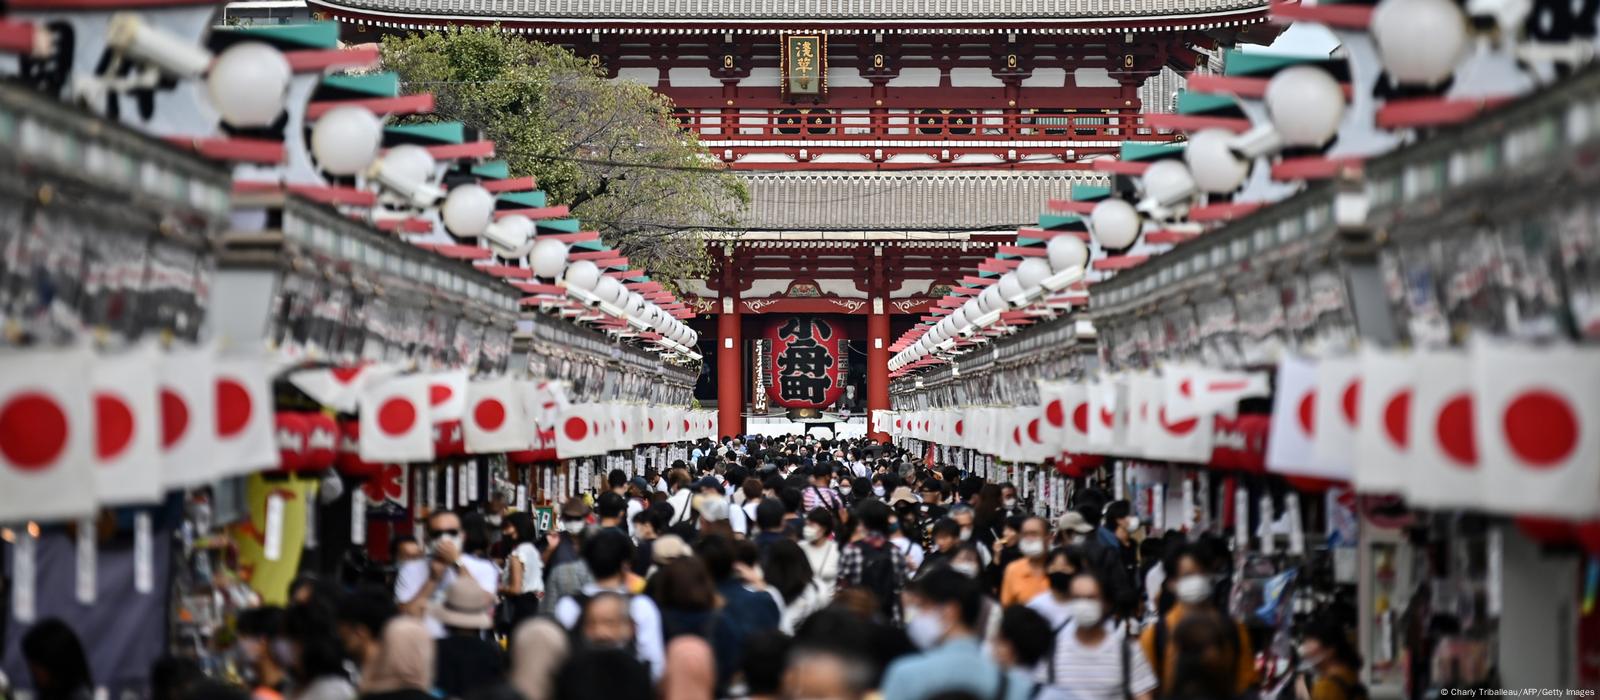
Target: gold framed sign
{"x":805,"y":65}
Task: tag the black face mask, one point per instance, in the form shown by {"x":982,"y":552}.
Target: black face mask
{"x":1060,"y":581}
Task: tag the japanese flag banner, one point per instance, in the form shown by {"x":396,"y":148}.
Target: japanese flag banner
{"x":1075,"y":397}
{"x":578,"y":431}
{"x":1445,"y":468}
{"x":447,"y":395}
{"x":494,"y":421}
{"x":127,"y":420}
{"x":1107,"y":415}
{"x":47,"y":435}
{"x":1177,"y":390}
{"x":1538,"y":428}
{"x":1294,"y":419}
{"x":1383,"y":436}
{"x":1219,"y":392}
{"x":188,"y":416}
{"x":244,"y":416}
{"x":394,"y":424}
{"x":338,"y":388}
{"x":539,"y":402}
{"x":1338,"y":410}
{"x":1187,"y":439}
{"x":1144,"y":396}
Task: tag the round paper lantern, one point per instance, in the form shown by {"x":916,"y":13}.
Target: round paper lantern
{"x":345,"y":140}
{"x":958,"y":318}
{"x":1420,"y":42}
{"x":1168,"y":182}
{"x":1214,"y":166}
{"x":610,"y":290}
{"x":584,"y":275}
{"x":1032,"y":273}
{"x":1010,"y":288}
{"x":249,"y":84}
{"x":468,"y":210}
{"x":322,"y":441}
{"x":407,"y":166}
{"x":1305,"y":104}
{"x":510,"y":237}
{"x":972,"y":310}
{"x":1114,"y":224}
{"x":549,"y":258}
{"x":290,"y":431}
{"x":448,"y":440}
{"x":806,"y":362}
{"x":990,"y":299}
{"x":1067,"y":253}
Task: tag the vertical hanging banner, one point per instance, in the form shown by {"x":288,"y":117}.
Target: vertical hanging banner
{"x":127,"y":427}
{"x":805,"y":362}
{"x":805,"y":64}
{"x":47,"y":435}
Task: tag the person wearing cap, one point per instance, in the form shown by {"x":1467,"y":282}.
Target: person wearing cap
{"x":463,"y":659}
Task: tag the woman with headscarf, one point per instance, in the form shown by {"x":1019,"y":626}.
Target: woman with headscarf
{"x":403,"y":669}
{"x":538,"y":649}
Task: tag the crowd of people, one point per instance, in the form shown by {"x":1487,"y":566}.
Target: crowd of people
{"x":767,"y":568}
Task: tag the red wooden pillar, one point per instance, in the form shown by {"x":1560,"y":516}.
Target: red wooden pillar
{"x":730,"y":369}
{"x":877,"y":365}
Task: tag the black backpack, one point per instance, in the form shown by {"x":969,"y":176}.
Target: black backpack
{"x":878,"y":576}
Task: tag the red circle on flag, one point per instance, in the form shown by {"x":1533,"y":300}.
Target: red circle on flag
{"x":1080,"y":418}
{"x":396,"y":416}
{"x":439,"y":393}
{"x":174,"y":417}
{"x":1350,"y":401}
{"x":652,"y":424}
{"x":1454,"y":430}
{"x":686,"y":425}
{"x":233,"y":407}
{"x":343,"y":375}
{"x":1055,"y":413}
{"x":113,"y":424}
{"x":33,"y":431}
{"x":961,"y":426}
{"x":1182,"y":427}
{"x":1540,"y":428}
{"x":1108,"y":418}
{"x":575,"y":428}
{"x":1186,"y":387}
{"x":1308,"y":413}
{"x":1016,"y":435}
{"x":1033,"y":430}
{"x":624,"y":426}
{"x":490,"y":414}
{"x":1397,"y":417}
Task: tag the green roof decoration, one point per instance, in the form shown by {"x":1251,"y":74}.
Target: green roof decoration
{"x":374,"y":84}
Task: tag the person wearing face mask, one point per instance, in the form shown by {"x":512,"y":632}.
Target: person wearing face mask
{"x":1010,"y":507}
{"x":1055,"y":604}
{"x":1025,"y":577}
{"x":1328,"y":665}
{"x":913,"y":551}
{"x":257,"y":631}
{"x":1106,"y":553}
{"x":822,"y":552}
{"x":1093,"y":657}
{"x":421,"y":582}
{"x":942,"y":610}
{"x":880,"y":488}
{"x":1190,"y":585}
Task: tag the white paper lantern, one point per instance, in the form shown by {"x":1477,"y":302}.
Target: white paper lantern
{"x":1420,"y":42}
{"x":1067,"y":252}
{"x":1032,"y":273}
{"x":510,"y":237}
{"x":1168,"y":182}
{"x":249,"y":84}
{"x":1114,"y":224}
{"x":635,"y":307}
{"x":407,"y":166}
{"x":584,"y":275}
{"x":610,"y":290}
{"x":345,"y":140}
{"x":1305,"y":104}
{"x":1213,"y":164}
{"x":973,"y":309}
{"x":958,"y":318}
{"x":468,"y":210}
{"x":990,"y":299}
{"x":549,"y":258}
{"x":1010,"y":287}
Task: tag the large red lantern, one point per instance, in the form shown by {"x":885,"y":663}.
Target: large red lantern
{"x":806,"y":361}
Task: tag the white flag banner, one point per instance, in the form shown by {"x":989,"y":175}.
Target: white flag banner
{"x":578,"y":432}
{"x":188,"y":410}
{"x":447,"y":395}
{"x":1220,"y":391}
{"x":1383,"y":435}
{"x":127,"y":419}
{"x":1338,"y":413}
{"x":1143,"y":403}
{"x":1106,"y":419}
{"x":495,"y":421}
{"x":1179,"y":439}
{"x":339,"y":387}
{"x":47,"y":435}
{"x":1538,"y":424}
{"x":1445,"y":469}
{"x":394,"y":424}
{"x":244,"y":416}
{"x":1294,"y":419}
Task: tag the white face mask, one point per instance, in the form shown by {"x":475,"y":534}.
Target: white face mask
{"x":1010,"y":503}
{"x":965,"y":568}
{"x":1085,"y":612}
{"x":1031,"y":547}
{"x":966,"y":534}
{"x":812,"y":533}
{"x":1131,"y":524}
{"x":572,"y":527}
{"x":877,"y":491}
{"x":452,"y":539}
{"x":925,"y":628}
{"x":1192,"y":589}
{"x":494,"y":520}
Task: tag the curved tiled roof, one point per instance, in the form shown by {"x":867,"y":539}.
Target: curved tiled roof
{"x":802,"y":10}
{"x":889,"y":201}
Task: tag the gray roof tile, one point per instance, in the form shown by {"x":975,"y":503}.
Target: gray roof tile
{"x":803,"y":9}
{"x":889,"y":201}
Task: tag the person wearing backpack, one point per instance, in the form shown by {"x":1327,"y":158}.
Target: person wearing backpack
{"x":605,"y":553}
{"x":1327,"y":656}
{"x":820,"y":494}
{"x":1094,"y":659}
{"x":873,"y":563}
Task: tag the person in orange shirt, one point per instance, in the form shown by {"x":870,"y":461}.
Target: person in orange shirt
{"x":1026,"y":577}
{"x":1191,"y":587}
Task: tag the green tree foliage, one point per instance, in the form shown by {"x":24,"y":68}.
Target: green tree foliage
{"x":609,"y":149}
